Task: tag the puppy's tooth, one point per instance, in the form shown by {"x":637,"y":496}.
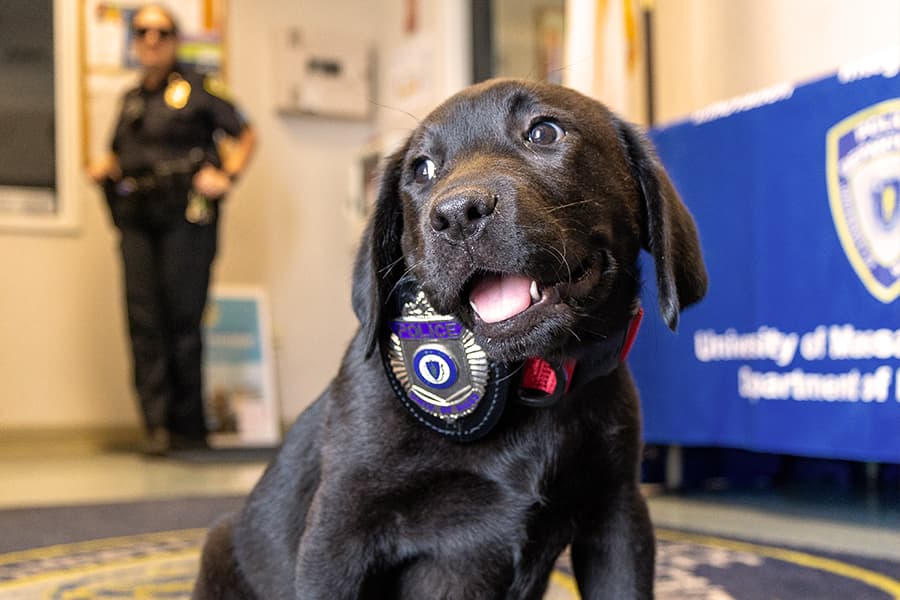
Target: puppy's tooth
{"x":535,"y":292}
{"x":475,"y":308}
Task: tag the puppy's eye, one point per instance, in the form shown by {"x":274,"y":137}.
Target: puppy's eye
{"x":423,"y":170}
{"x":545,"y":133}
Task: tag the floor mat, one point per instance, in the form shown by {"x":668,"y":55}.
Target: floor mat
{"x":162,"y":565}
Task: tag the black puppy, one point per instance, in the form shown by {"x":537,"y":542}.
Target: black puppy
{"x":482,"y":419}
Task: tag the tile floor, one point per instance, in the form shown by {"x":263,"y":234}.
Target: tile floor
{"x":71,"y":472}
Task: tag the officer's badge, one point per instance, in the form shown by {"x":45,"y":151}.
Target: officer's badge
{"x":863,"y":167}
{"x":436,"y":361}
{"x":177,"y":93}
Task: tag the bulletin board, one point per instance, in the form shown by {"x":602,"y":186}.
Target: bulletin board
{"x":109,"y":66}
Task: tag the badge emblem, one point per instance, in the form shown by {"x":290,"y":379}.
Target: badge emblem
{"x":177,"y":93}
{"x":437,"y":361}
{"x":863,"y":169}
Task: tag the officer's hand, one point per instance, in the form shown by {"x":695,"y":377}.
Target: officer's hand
{"x":104,"y":168}
{"x":212,"y":182}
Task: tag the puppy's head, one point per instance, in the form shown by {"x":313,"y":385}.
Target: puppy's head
{"x":521,"y":208}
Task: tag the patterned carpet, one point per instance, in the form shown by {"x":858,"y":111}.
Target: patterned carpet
{"x":162,"y":565}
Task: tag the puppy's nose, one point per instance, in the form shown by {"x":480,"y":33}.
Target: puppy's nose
{"x":463,"y":216}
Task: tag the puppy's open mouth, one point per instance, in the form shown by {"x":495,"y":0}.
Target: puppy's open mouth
{"x":497,"y":297}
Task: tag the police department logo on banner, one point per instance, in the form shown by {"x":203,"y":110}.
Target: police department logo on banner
{"x":863,"y":167}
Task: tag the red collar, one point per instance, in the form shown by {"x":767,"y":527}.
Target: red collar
{"x":543,"y":384}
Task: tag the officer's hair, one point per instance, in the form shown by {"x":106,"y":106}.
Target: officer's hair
{"x":165,"y":11}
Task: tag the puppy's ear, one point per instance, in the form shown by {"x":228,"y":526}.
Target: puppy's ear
{"x":379,"y":261}
{"x":668,"y":231}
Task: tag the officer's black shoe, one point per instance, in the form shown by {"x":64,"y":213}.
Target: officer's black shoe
{"x":157,"y":442}
{"x":179,"y":441}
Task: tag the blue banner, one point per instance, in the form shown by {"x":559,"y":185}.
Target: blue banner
{"x":796,"y":348}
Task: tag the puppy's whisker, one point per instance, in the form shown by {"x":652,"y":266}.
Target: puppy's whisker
{"x":570,"y":204}
{"x":574,"y":334}
{"x":387,"y":268}
{"x":512,"y":373}
{"x":418,"y":120}
{"x":562,"y":257}
{"x":405,"y":277}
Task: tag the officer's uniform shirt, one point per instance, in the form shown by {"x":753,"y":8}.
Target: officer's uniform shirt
{"x":177,"y":120}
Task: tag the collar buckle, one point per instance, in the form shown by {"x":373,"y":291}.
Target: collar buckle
{"x":544,"y":384}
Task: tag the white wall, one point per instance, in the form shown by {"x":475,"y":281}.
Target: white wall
{"x":710,"y":50}
{"x":301,"y":175}
{"x":62,"y":358}
{"x":287,"y":229}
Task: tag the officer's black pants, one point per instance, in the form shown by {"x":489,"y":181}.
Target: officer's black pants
{"x":167,"y":270}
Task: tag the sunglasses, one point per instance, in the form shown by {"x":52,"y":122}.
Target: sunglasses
{"x":141,"y":32}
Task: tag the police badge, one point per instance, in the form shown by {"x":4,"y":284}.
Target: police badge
{"x":441,"y":375}
{"x":445,"y":379}
{"x":863,"y":169}
{"x":177,"y":92}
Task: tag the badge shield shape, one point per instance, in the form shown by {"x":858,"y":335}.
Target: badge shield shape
{"x":863,"y":171}
{"x":437,"y":362}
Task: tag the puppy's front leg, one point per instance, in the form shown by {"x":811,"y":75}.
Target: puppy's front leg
{"x":613,"y":554}
{"x":335,"y":552}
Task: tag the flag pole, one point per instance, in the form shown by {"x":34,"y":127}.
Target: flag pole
{"x":647,"y":15}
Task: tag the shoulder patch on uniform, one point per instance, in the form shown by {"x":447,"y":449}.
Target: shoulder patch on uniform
{"x":216,"y":87}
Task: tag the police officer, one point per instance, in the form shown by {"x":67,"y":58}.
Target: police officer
{"x":165,"y":181}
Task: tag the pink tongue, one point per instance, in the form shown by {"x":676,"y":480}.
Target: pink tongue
{"x":499,"y":297}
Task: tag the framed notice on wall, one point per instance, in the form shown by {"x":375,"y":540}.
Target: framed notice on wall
{"x":109,"y":65}
{"x":239,"y":381}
